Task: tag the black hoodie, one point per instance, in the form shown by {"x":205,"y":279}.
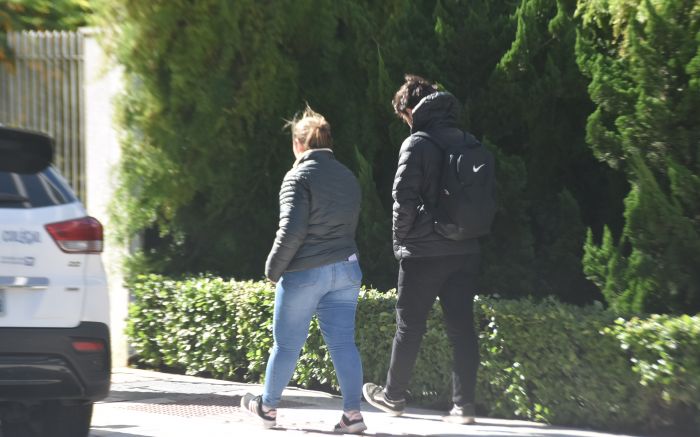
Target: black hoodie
{"x":417,"y":181}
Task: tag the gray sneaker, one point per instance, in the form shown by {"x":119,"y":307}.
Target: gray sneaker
{"x":464,"y":415}
{"x":347,"y":426}
{"x":253,"y":405}
{"x":374,"y":394}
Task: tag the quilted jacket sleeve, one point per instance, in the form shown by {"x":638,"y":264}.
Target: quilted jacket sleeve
{"x":293,"y":225}
{"x":406,"y":191}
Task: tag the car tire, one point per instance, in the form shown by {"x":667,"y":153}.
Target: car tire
{"x":52,"y":419}
{"x":19,"y":429}
{"x":66,"y":420}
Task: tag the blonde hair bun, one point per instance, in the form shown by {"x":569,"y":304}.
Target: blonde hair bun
{"x":311,"y":129}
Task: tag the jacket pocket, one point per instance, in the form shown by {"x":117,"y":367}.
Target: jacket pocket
{"x":422,"y":226}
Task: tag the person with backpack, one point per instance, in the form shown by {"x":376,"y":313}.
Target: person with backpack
{"x":444,"y":200}
{"x":314,"y":263}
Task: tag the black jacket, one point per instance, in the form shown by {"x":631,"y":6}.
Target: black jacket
{"x":417,"y":181}
{"x":319,"y":210}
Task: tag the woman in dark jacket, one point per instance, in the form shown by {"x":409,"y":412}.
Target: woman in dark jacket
{"x":314,"y":263}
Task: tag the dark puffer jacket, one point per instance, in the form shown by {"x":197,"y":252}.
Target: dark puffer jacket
{"x":417,"y":181}
{"x":319,"y":209}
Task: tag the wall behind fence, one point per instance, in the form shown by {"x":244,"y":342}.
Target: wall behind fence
{"x":42,"y":90}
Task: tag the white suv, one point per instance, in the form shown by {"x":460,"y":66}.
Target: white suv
{"x":54,"y":304}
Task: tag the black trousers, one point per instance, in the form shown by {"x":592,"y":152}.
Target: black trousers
{"x":454,"y":279}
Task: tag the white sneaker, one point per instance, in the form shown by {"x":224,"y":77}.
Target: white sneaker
{"x":464,"y":415}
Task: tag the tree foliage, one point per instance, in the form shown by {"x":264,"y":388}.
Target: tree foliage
{"x":535,"y":108}
{"x":39,"y":15}
{"x":209,"y":84}
{"x":643,"y":59}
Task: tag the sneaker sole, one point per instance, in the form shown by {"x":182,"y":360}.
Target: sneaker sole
{"x":267,"y":424}
{"x":384,"y":408}
{"x":461,"y":420}
{"x":356,"y":428}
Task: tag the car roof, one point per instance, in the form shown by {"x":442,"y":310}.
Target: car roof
{"x":24,"y":151}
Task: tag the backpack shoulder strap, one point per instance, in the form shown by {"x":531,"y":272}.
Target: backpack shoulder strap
{"x":432,"y":139}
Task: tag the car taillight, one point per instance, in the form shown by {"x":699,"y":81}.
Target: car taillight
{"x":88,"y":346}
{"x":83,"y":235}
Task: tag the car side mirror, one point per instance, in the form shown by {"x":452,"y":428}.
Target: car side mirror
{"x":23,"y":151}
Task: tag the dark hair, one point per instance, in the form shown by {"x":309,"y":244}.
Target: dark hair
{"x":411,"y":92}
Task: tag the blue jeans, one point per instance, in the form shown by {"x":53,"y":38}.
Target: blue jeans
{"x":331,"y":292}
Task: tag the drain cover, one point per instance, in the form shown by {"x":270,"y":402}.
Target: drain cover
{"x":184,"y":405}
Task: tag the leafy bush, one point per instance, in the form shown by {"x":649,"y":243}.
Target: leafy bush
{"x":665,"y":355}
{"x":540,"y":360}
{"x":554,"y":365}
{"x":186,"y":325}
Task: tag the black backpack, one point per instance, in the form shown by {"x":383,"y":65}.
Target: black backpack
{"x":467,"y":202}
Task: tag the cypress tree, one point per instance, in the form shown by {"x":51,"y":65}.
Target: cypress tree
{"x":209,"y":85}
{"x":204,"y":152}
{"x":643,"y":59}
{"x":534,"y":107}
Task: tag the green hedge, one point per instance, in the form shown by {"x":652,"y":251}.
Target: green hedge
{"x":543,"y":360}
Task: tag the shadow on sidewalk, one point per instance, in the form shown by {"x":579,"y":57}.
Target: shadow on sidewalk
{"x":108,"y":431}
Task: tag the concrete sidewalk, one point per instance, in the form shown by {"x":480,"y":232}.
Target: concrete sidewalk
{"x":151,"y":404}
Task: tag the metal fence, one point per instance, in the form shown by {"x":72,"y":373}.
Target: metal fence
{"x":42,"y":90}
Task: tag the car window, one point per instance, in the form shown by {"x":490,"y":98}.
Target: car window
{"x":24,"y":151}
{"x":45,"y":188}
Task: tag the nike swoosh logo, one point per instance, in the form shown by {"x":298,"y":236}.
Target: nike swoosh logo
{"x":476,"y":169}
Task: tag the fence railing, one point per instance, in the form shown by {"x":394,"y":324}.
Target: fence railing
{"x":42,"y":90}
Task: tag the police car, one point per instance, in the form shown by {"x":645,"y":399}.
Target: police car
{"x":54,"y":305}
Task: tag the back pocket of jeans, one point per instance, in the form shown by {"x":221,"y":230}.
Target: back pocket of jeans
{"x":353,"y":272}
{"x":300,"y":278}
